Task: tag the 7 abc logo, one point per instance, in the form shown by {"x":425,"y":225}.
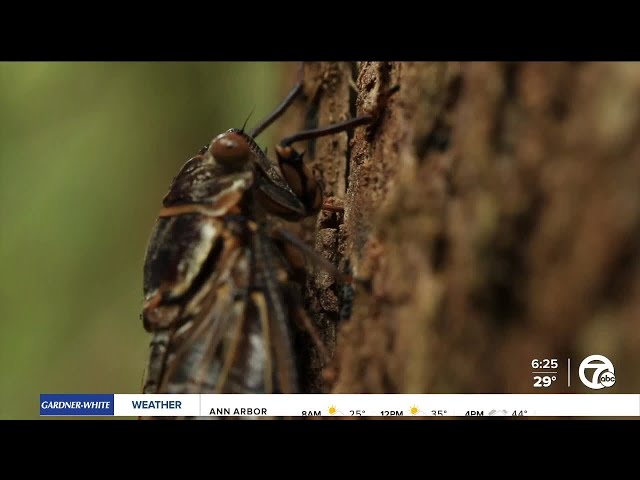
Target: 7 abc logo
{"x":597,"y":372}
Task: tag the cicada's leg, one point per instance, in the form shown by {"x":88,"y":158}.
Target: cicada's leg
{"x":293,"y":296}
{"x":296,"y":251}
{"x":284,"y":105}
{"x":328,"y":130}
{"x":298,"y":174}
{"x":292,"y":279}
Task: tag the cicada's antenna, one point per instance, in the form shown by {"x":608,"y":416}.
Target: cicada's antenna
{"x":247,"y":120}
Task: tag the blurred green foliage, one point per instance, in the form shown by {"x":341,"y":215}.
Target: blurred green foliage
{"x":87,"y":152}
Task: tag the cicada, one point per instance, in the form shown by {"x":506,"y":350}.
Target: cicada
{"x":223,"y":284}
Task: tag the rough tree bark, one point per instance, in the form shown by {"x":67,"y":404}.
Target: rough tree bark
{"x":491,"y":215}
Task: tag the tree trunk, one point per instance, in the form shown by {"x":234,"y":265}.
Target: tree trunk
{"x":491,"y":217}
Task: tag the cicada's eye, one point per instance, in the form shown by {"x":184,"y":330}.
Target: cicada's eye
{"x":230,"y":149}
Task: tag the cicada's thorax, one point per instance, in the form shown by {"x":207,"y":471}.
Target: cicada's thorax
{"x":188,"y":234}
{"x":217,"y":189}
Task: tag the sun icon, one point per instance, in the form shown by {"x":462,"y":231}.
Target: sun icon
{"x":333,"y":410}
{"x":414,"y":410}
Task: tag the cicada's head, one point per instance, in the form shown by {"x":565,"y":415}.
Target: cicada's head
{"x":230,"y":150}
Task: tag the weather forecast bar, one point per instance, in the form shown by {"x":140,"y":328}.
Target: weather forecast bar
{"x":342,"y":405}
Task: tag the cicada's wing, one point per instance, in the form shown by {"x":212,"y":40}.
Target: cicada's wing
{"x":238,"y":341}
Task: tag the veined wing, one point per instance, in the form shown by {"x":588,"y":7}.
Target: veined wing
{"x":237,"y":341}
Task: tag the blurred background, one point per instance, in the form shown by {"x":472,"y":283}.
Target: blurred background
{"x":87,"y":151}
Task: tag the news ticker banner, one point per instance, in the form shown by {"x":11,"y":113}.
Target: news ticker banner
{"x":341,"y":405}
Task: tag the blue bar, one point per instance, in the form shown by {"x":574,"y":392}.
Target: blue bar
{"x":76,"y":404}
